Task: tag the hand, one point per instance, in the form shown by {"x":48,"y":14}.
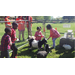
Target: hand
{"x":39,"y":35}
{"x":47,"y":38}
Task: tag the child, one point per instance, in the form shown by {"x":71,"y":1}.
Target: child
{"x":21,"y":27}
{"x":5,"y":43}
{"x":38,"y":35}
{"x":13,"y":38}
{"x":53,"y":33}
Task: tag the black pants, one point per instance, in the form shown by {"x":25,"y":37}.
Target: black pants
{"x":5,"y":54}
{"x":14,"y":48}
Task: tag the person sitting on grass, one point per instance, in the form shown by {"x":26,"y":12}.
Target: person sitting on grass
{"x":13,"y":39}
{"x":5,"y":43}
{"x":53,"y":33}
{"x":38,"y":34}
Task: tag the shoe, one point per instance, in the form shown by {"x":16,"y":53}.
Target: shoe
{"x":16,"y":54}
{"x":15,"y":57}
{"x":23,"y":39}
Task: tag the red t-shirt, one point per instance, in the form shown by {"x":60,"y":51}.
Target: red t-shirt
{"x":38,"y":35}
{"x":21,"y":25}
{"x":54,"y":33}
{"x":9,"y":23}
{"x":13,"y":35}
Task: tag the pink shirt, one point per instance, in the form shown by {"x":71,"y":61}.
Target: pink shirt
{"x":54,"y":33}
{"x":38,"y":35}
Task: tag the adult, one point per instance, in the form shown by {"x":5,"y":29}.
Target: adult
{"x":7,"y":24}
{"x":21,"y":27}
{"x":29,"y":18}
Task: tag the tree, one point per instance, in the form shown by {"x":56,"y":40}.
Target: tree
{"x":68,"y":17}
{"x":38,"y":17}
{"x":47,"y":18}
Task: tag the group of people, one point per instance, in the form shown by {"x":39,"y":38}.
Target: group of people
{"x":21,"y":24}
{"x":53,"y":33}
{"x":9,"y":38}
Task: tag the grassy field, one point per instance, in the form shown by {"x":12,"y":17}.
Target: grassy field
{"x":58,"y":52}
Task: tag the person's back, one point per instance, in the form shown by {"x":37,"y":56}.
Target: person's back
{"x":4,"y":42}
{"x":54,"y":33}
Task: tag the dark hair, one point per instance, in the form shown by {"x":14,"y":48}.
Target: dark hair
{"x":49,"y":26}
{"x":38,"y":28}
{"x":7,"y":30}
{"x":5,"y":16}
{"x":22,"y":17}
{"x":14,"y":23}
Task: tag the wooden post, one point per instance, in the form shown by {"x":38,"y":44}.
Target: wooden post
{"x":15,"y":18}
{"x":29,"y":29}
{"x":44,"y":32}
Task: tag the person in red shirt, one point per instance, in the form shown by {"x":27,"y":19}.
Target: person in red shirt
{"x":53,"y":33}
{"x":21,"y":27}
{"x":13,"y":39}
{"x":38,"y":34}
{"x":5,"y":43}
{"x":7,"y":24}
{"x":29,"y":18}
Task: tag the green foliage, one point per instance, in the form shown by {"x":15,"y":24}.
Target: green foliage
{"x":41,"y":17}
{"x":55,"y":53}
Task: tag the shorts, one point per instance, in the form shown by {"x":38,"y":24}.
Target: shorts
{"x":21,"y":30}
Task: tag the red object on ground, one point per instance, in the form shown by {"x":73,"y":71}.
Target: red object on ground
{"x":55,"y":28}
{"x":44,"y":30}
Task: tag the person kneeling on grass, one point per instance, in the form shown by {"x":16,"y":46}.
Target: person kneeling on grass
{"x":38,"y":34}
{"x":5,"y":43}
{"x":13,"y":39}
{"x":53,"y":33}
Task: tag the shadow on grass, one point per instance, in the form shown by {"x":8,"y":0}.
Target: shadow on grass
{"x":64,"y":53}
{"x":26,"y":52}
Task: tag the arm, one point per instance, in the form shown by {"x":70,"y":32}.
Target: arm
{"x":10,"y":43}
{"x":50,"y":34}
{"x":8,"y":40}
{"x":8,"y":25}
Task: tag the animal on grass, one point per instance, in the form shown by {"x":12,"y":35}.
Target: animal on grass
{"x":47,"y":48}
{"x":36,"y":44}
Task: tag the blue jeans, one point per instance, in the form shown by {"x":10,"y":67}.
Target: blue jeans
{"x":54,"y":41}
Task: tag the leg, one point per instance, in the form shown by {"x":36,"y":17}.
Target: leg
{"x":14,"y":48}
{"x":5,"y":54}
{"x":19,"y":34}
{"x":23,"y":34}
{"x":54,"y":41}
{"x":2,"y":54}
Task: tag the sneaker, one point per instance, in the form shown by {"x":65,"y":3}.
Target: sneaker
{"x":16,"y":54}
{"x":15,"y":57}
{"x":23,"y":39}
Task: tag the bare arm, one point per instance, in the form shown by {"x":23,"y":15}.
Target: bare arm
{"x":8,"y":25}
{"x":10,"y":44}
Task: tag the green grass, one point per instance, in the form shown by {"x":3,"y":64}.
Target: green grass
{"x":58,"y":52}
